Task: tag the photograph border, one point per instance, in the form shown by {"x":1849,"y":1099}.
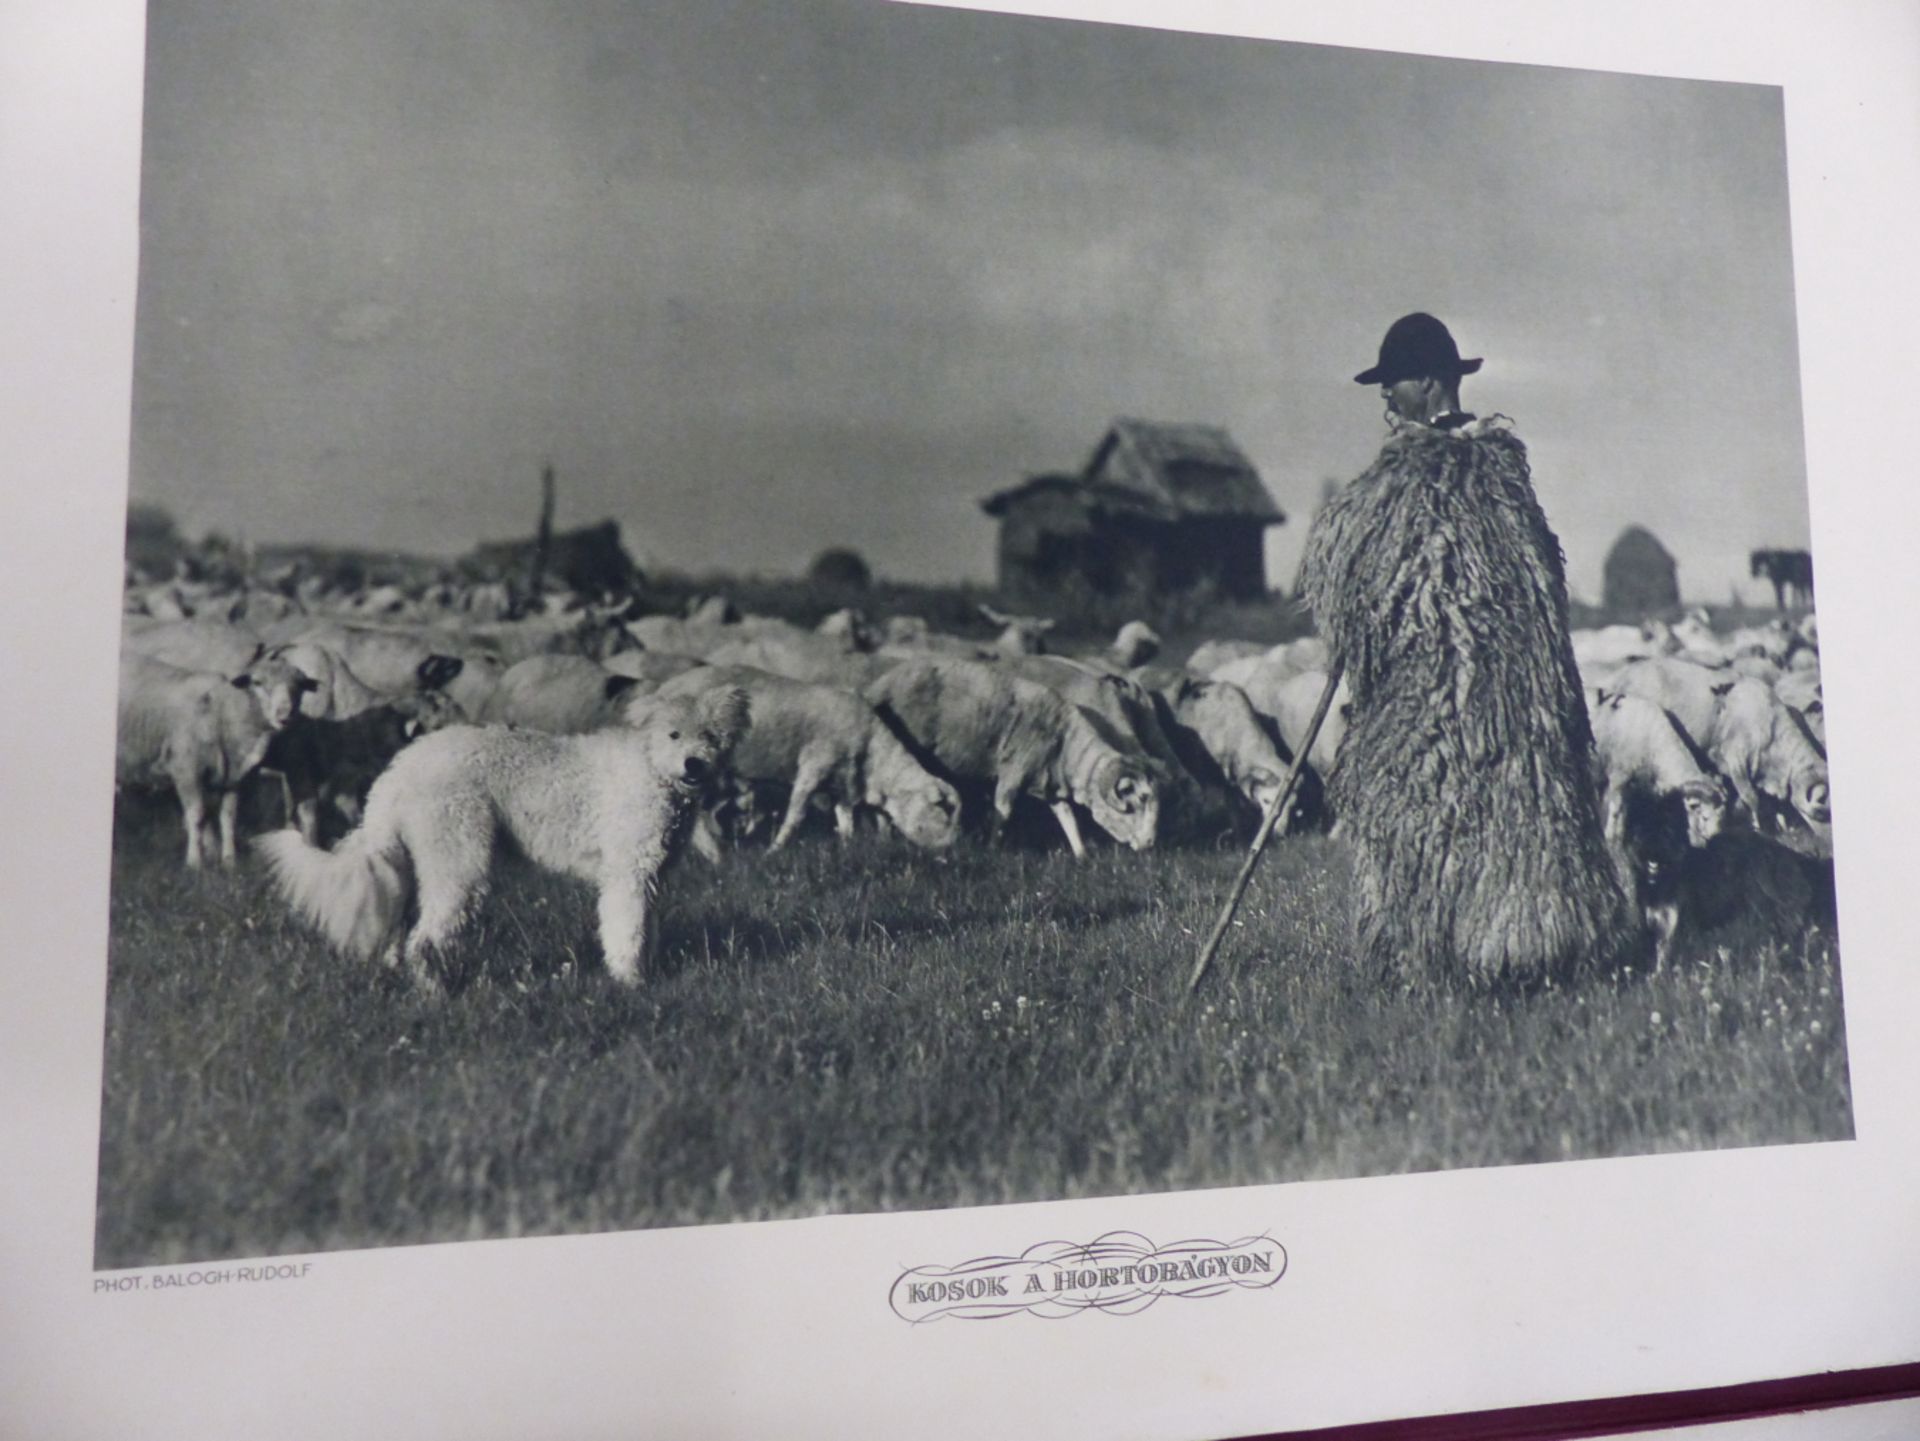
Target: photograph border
{"x":1403,"y":1296}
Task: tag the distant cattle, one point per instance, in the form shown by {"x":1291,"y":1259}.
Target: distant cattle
{"x":1789,"y":571}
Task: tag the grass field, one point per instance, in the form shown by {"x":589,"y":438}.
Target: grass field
{"x":864,"y":1027}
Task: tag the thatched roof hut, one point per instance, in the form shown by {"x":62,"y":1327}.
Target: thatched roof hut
{"x":590,"y":560}
{"x":1158,"y":509}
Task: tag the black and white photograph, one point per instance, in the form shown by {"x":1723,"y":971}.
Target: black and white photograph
{"x":716,"y":598}
{"x":1095,"y":717}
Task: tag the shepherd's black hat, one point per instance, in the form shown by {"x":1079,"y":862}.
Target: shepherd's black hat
{"x":1417,"y":344}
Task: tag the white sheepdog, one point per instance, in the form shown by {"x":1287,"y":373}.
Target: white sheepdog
{"x":611,"y":807}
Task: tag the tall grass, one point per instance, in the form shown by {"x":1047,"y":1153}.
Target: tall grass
{"x":865,"y":1027}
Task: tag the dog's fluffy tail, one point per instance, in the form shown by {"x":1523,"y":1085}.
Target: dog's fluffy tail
{"x":355,"y":895}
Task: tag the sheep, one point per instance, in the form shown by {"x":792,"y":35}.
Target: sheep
{"x":399,"y":661}
{"x":1019,"y":634}
{"x":1800,"y":691}
{"x":1659,"y":797}
{"x":213,"y":646}
{"x":821,"y":740}
{"x":1135,"y":644}
{"x":800,"y":655}
{"x":670,"y":635}
{"x":1132,"y":723}
{"x":1765,"y":749}
{"x":1216,"y":732}
{"x":1637,"y":745}
{"x":1294,"y":702}
{"x":850,"y":628}
{"x":338,"y":692}
{"x":1265,"y":676}
{"x":975,"y":724}
{"x":560,"y":694}
{"x":203,"y":733}
{"x":1210,"y":655}
{"x":651,"y":668}
{"x":593,"y":634}
{"x":329,"y":759}
{"x":1757,"y":741}
{"x":610,"y":808}
{"x":1614,"y":645}
{"x":840,"y":633}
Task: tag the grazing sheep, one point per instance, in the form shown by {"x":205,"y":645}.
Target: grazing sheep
{"x":212,"y":646}
{"x":560,"y":694}
{"x":1800,"y":691}
{"x":610,"y":808}
{"x":1763,"y":746}
{"x":1614,"y":645}
{"x":1210,"y":655}
{"x":1294,"y":701}
{"x":651,"y":668}
{"x":593,"y":634}
{"x":1132,"y":723}
{"x":202,"y":733}
{"x":1216,"y":731}
{"x":402,"y":661}
{"x":1640,"y":746}
{"x":978,"y":725}
{"x":800,"y":655}
{"x":670,"y":635}
{"x":819,"y":740}
{"x":1755,"y":739}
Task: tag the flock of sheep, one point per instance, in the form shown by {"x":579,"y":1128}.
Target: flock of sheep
{"x":603,"y":742}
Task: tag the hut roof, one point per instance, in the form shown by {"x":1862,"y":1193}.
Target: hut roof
{"x":1165,"y":472}
{"x":1195,"y":468}
{"x":1639,"y":546}
{"x":1087,"y":495}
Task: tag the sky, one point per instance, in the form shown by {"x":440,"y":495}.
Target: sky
{"x":760,"y":277}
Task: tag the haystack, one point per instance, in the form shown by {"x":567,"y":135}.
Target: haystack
{"x":1640,"y":578}
{"x":1463,"y":782}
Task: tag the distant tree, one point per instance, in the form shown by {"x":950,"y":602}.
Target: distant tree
{"x":153,"y":540}
{"x":841,"y":569}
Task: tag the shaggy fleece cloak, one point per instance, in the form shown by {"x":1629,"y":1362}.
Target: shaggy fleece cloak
{"x":1464,"y":782}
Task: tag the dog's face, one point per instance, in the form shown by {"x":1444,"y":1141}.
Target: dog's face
{"x":689,"y":737}
{"x":1706,"y":805}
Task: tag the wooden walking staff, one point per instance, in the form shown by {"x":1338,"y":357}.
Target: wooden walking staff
{"x":1267,"y":822}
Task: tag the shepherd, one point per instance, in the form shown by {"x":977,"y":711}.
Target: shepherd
{"x":1464,"y":783}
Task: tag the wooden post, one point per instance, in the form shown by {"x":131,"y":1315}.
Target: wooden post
{"x":542,"y":536}
{"x":1267,"y":823}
